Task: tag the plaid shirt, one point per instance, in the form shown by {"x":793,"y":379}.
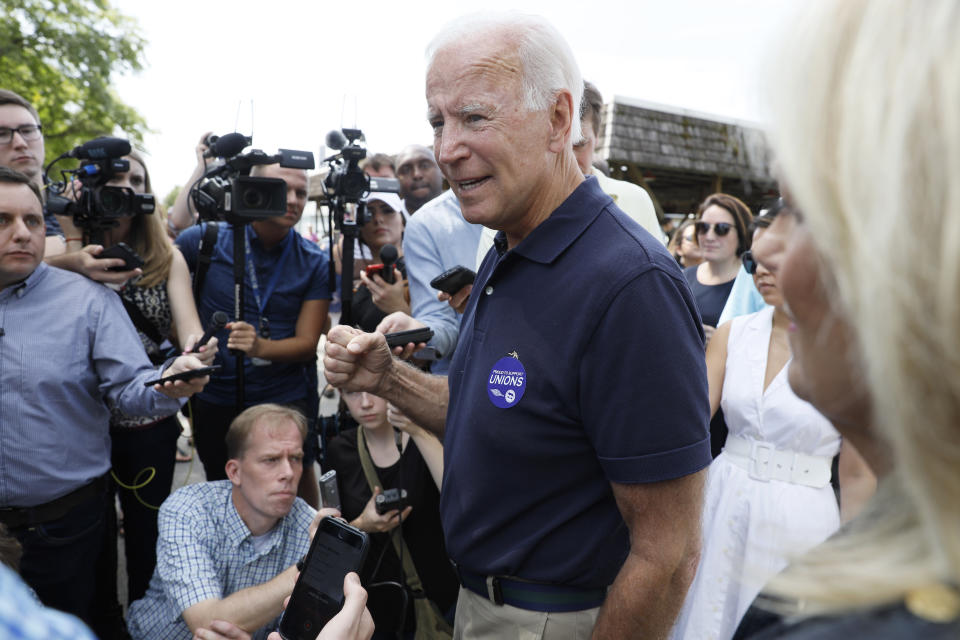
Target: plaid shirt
{"x":205,"y":551}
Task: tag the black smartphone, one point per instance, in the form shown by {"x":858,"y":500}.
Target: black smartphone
{"x":401,"y":338}
{"x":329,"y":492}
{"x":184,"y":375}
{"x":120,"y":250}
{"x":452,"y":280}
{"x":337,"y":549}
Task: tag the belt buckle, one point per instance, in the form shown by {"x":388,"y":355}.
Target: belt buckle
{"x":494,"y":591}
{"x":761,"y":455}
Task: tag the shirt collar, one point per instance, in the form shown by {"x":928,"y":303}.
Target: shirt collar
{"x":237,"y":530}
{"x":22,"y":288}
{"x":564,"y":225}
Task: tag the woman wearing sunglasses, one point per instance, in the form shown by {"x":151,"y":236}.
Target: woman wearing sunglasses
{"x":722,"y":229}
{"x":769,"y":492}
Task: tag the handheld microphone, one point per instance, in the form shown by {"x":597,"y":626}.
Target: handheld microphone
{"x":217,"y":322}
{"x":227,"y":146}
{"x":388,"y":256}
{"x":101,"y":148}
{"x":335,"y":140}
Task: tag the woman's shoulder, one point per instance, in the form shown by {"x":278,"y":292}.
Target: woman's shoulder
{"x":343,"y":445}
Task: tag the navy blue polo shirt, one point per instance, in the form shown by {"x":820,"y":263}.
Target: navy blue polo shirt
{"x":580,"y":363}
{"x":305,"y":277}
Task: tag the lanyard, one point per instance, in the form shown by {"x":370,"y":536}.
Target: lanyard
{"x":274,"y":279}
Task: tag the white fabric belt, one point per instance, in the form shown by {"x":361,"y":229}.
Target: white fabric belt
{"x":765,"y":462}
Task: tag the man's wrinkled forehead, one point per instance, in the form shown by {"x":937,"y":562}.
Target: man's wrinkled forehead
{"x":473,"y":62}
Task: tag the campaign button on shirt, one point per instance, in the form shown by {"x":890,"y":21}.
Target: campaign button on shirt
{"x":507,"y":382}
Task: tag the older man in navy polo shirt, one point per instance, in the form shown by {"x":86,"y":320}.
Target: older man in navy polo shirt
{"x":575,"y":417}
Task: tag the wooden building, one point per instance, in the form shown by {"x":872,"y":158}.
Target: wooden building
{"x":681,"y":156}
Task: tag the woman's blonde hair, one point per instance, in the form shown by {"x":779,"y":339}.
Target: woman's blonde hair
{"x":866,"y":130}
{"x":149,"y":239}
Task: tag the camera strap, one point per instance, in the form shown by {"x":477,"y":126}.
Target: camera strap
{"x":207,"y":242}
{"x":430,"y":623}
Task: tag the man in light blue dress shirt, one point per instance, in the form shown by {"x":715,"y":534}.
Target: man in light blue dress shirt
{"x":68,"y":352}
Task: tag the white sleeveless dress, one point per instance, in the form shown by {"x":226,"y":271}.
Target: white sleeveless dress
{"x":751,"y":527}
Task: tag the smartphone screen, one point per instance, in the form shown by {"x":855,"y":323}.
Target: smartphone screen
{"x":337,"y":550}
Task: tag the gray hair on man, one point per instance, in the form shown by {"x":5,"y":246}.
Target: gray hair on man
{"x":548,"y":63}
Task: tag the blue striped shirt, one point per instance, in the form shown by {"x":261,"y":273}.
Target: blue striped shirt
{"x":68,"y":350}
{"x":205,"y":551}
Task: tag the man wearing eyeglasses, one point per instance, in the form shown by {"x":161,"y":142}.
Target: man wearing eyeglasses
{"x":21,"y":149}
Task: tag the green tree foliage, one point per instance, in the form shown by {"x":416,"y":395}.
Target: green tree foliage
{"x":60,"y":55}
{"x":171,"y":197}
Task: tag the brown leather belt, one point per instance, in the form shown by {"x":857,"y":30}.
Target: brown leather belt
{"x":18,"y":517}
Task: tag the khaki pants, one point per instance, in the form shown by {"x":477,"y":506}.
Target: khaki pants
{"x":479,"y":619}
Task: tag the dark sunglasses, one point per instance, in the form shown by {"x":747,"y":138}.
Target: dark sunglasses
{"x":719,"y":228}
{"x":748,"y":262}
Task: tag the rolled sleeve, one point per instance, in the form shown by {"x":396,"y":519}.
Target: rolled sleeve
{"x":646,"y":409}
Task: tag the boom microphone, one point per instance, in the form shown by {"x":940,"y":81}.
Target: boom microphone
{"x":217,"y":322}
{"x":335,"y":140}
{"x":227,"y":146}
{"x":388,"y":256}
{"x":101,"y":148}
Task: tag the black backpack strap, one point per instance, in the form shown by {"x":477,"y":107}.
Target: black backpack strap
{"x":207,"y":242}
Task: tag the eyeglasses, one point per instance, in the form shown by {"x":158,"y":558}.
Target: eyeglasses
{"x":748,"y":262}
{"x":26,"y":131}
{"x":719,"y":228}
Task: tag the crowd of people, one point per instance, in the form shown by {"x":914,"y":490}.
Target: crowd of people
{"x":743,"y":430}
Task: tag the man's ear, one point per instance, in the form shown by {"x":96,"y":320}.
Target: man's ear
{"x":561,"y":121}
{"x":233,"y":471}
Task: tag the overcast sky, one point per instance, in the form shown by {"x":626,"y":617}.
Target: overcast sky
{"x":308,"y":67}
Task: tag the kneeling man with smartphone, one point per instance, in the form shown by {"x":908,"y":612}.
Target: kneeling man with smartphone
{"x":228,"y":550}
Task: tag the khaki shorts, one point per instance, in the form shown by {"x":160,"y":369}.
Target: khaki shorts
{"x":479,"y":619}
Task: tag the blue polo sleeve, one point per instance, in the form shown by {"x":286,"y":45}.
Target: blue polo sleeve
{"x":643,"y":382}
{"x":319,"y":279}
{"x":189,"y":244}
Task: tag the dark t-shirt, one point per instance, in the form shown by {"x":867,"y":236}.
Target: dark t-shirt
{"x":710,"y":298}
{"x":421,"y":531}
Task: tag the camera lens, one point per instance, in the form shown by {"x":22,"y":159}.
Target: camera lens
{"x":254,"y":199}
{"x":112,"y":201}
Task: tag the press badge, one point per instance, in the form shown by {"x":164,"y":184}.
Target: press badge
{"x":507,"y":382}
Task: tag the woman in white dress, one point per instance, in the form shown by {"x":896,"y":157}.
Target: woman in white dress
{"x":768,"y":494}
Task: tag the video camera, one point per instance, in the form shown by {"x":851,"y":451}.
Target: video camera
{"x":96,"y":206}
{"x":227,"y":191}
{"x":346,"y":184}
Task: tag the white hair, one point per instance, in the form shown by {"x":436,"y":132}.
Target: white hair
{"x":546,"y":60}
{"x":867,"y":132}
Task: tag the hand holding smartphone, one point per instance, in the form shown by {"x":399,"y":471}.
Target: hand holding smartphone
{"x":336,"y":550}
{"x":120,"y":250}
{"x":184,"y":375}
{"x":452,"y":280}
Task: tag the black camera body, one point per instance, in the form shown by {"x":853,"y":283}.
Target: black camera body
{"x":390,"y":500}
{"x":96,"y":206}
{"x":228,"y":192}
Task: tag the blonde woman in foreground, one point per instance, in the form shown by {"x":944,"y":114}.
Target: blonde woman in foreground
{"x":867,"y":135}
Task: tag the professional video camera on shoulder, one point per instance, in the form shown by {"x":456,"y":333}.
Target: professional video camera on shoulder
{"x":96,"y":206}
{"x":227,"y":191}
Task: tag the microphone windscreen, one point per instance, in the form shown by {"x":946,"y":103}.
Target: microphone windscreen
{"x":388,"y":254}
{"x":336,"y":140}
{"x":228,"y":145}
{"x":219,"y":320}
{"x":101,"y":148}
